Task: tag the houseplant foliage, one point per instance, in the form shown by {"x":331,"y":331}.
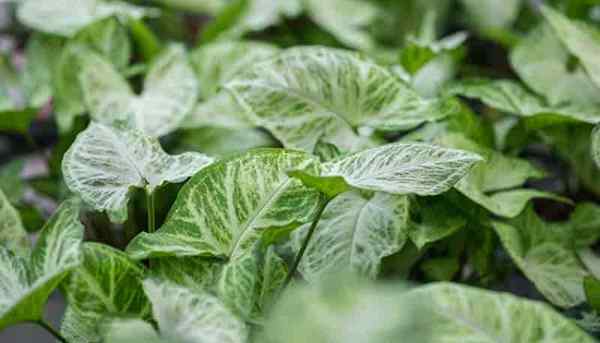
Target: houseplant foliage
{"x":277,"y":171}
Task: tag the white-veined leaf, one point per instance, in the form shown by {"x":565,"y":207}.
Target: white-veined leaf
{"x":581,"y":39}
{"x":104,"y":162}
{"x":66,"y":17}
{"x":470,"y":315}
{"x":183,"y":316}
{"x":106,"y":283}
{"x":311,"y":93}
{"x":170,"y":93}
{"x":220,"y":210}
{"x":355,"y":232}
{"x":12,"y":233}
{"x":545,"y":254}
{"x":400,"y":168}
{"x":27,"y":282}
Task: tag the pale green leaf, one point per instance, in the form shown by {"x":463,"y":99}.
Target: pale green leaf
{"x":217,"y":141}
{"x":170,"y":92}
{"x":272,"y":277}
{"x":219,"y":62}
{"x":130,"y":331}
{"x":68,"y":97}
{"x":26,"y":283}
{"x":311,"y":93}
{"x":581,"y":39}
{"x":11,"y":180}
{"x":12,"y":233}
{"x":106,"y":283}
{"x":355,"y":232}
{"x":221,"y":111}
{"x":509,"y":96}
{"x":542,"y":62}
{"x":109,"y":38}
{"x":195,"y":273}
{"x":239,"y":196}
{"x":492,"y":14}
{"x":199,"y":6}
{"x":104,"y":162}
{"x":544,"y":254}
{"x":42,"y":52}
{"x":66,"y":17}
{"x":466,"y":314}
{"x":237,"y":284}
{"x":260,"y":14}
{"x":347,"y":20}
{"x":399,"y":168}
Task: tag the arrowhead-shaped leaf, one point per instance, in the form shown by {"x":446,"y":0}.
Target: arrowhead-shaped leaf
{"x":355,"y":232}
{"x":13,"y":236}
{"x":104,"y":162}
{"x":170,"y":92}
{"x":66,"y":17}
{"x":27,"y":282}
{"x":183,"y":316}
{"x":311,"y":93}
{"x":220,"y":210}
{"x":545,"y":254}
{"x":466,"y":314}
{"x":397,"y":168}
{"x":107,"y":282}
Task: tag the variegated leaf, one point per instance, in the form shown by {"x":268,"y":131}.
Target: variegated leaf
{"x":545,"y":254}
{"x":107,"y":283}
{"x":130,"y":331}
{"x":12,"y":233}
{"x":469,"y":315}
{"x":104,"y":162}
{"x":399,"y":168}
{"x":581,"y":39}
{"x":238,"y":196}
{"x":260,"y":14}
{"x":26,"y":283}
{"x":311,"y":93}
{"x":355,"y":232}
{"x":66,"y":17}
{"x":170,"y":92}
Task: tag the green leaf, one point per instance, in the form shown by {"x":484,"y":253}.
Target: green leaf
{"x":509,"y":96}
{"x":494,"y":183}
{"x":221,"y":111}
{"x":237,"y":284}
{"x":104,"y":162}
{"x":11,"y":181}
{"x":170,"y":92}
{"x":311,"y":93}
{"x":195,"y":273}
{"x":545,"y":254}
{"x":355,"y":232}
{"x":67,"y":17}
{"x":183,"y":316}
{"x":13,"y":236}
{"x":441,"y":269}
{"x":106,"y":283}
{"x":466,"y":314}
{"x":42,"y":52}
{"x":239,"y":196}
{"x":595,"y":141}
{"x":28,"y":282}
{"x":347,"y":20}
{"x":217,"y":141}
{"x":130,"y":331}
{"x":491,"y":14}
{"x":110,"y":39}
{"x":438,"y":219}
{"x":592,"y":292}
{"x":219,"y":62}
{"x":581,"y":39}
{"x":399,"y":168}
{"x":17,"y":121}
{"x":542,"y":62}
{"x":68,"y":97}
{"x":198,"y":6}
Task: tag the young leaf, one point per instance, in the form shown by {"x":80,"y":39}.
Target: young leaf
{"x":545,"y":255}
{"x":466,"y":314}
{"x":345,"y":19}
{"x":66,"y":17}
{"x":581,"y":39}
{"x":26,"y":283}
{"x":104,"y":162}
{"x":355,"y":232}
{"x":542,"y":62}
{"x":509,"y":96}
{"x":398,"y":168}
{"x":170,"y":92}
{"x":13,"y":236}
{"x":42,"y":52}
{"x":311,"y":93}
{"x":238,"y":196}
{"x":182,"y":316}
{"x":107,"y":282}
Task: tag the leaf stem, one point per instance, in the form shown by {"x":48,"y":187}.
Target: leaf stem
{"x":51,"y":330}
{"x":151,"y":212}
{"x":309,"y":235}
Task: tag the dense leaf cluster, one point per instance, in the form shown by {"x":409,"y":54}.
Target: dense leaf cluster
{"x":302,"y":170}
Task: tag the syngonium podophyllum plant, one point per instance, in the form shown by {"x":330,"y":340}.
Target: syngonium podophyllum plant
{"x":332,"y":171}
